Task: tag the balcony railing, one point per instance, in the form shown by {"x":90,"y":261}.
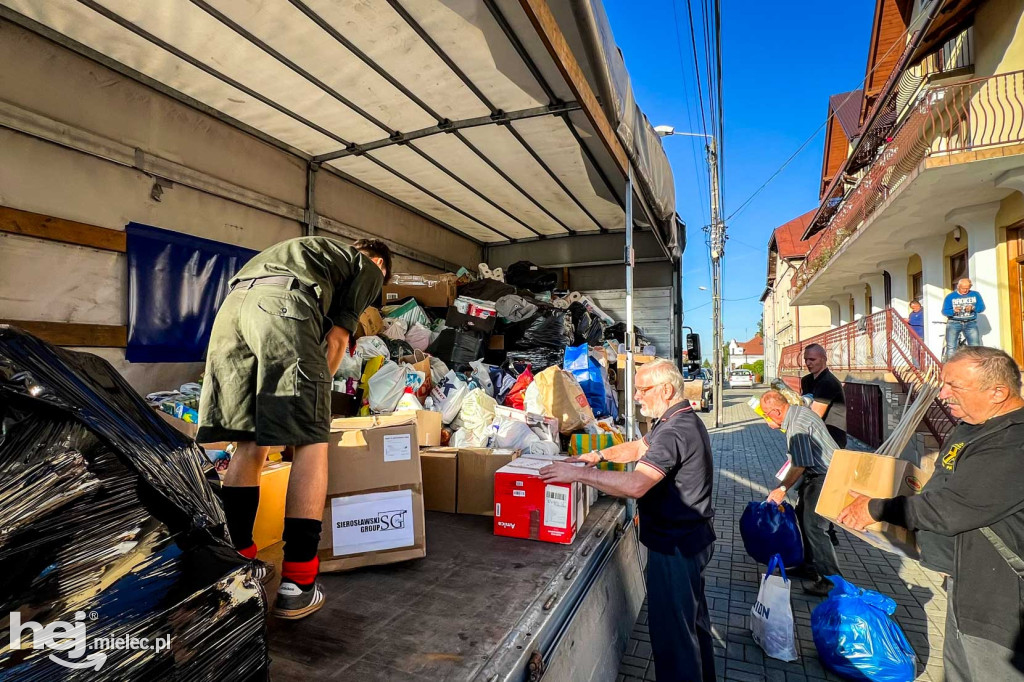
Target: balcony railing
{"x":966,"y":116}
{"x":882,"y":342}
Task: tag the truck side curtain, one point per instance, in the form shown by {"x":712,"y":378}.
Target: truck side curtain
{"x":176,"y":283}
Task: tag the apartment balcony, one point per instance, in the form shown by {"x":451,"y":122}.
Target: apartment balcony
{"x":957,"y":147}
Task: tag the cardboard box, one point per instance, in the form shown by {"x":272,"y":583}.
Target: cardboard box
{"x":637,"y":360}
{"x":269,"y":527}
{"x":457,"y":320}
{"x":431,"y":291}
{"x":374,"y":512}
{"x":440,"y":479}
{"x":370,"y":323}
{"x":476,"y":478}
{"x":428,"y":427}
{"x":180,"y":425}
{"x":527,"y":507}
{"x":496,"y":342}
{"x":872,"y":475}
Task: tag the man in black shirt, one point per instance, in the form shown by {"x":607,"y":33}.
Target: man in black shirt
{"x":981,"y":506}
{"x":826,"y":392}
{"x":673,"y":485}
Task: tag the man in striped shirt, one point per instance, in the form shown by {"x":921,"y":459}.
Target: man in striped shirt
{"x":810,"y":448}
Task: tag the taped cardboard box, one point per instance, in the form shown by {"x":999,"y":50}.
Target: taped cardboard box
{"x":428,"y":424}
{"x":440,"y":479}
{"x":527,"y":507}
{"x":374,"y":512}
{"x":866,"y":473}
{"x":431,"y":291}
{"x":476,"y":478}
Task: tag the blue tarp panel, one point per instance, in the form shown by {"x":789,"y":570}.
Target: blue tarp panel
{"x":176,"y":283}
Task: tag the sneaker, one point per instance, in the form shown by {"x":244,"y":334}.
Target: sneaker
{"x":261,"y":571}
{"x":819,"y":588}
{"x":293,"y":602}
{"x":805,"y":572}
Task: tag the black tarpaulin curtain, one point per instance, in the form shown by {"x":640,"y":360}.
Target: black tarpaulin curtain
{"x":176,"y":283}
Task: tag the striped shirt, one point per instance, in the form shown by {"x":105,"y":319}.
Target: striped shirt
{"x":807,"y":438}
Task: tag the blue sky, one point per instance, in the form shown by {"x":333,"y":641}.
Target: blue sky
{"x":781,"y":61}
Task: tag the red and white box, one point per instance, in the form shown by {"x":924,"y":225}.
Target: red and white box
{"x":527,"y":507}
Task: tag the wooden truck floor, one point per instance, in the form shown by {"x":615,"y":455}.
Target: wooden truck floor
{"x":475,"y":607}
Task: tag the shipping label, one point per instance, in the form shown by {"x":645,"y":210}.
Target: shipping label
{"x":556,"y":506}
{"x":397,"y":448}
{"x":372,"y":522}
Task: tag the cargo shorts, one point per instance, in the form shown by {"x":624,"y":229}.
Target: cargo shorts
{"x":266,"y":370}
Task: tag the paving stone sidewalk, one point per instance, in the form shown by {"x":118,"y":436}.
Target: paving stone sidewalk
{"x":747,"y":455}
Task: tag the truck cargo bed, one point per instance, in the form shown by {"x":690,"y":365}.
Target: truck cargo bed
{"x":477,"y":607}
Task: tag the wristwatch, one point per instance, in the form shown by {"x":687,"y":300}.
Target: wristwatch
{"x":783,"y":488}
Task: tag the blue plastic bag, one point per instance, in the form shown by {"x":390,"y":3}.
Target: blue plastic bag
{"x":769,"y":529}
{"x":587,"y":371}
{"x":856,"y":638}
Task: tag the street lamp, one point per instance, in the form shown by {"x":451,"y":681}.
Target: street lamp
{"x":717,"y":244}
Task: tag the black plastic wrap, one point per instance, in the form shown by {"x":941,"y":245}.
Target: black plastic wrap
{"x":551,"y":328}
{"x":525,"y":275}
{"x":587,"y":328}
{"x":110,"y":526}
{"x":539,"y":359}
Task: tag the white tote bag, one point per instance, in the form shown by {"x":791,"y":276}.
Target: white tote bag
{"x":771,"y":617}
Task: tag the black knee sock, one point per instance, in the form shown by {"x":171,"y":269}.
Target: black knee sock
{"x":240,"y":505}
{"x":301,"y":539}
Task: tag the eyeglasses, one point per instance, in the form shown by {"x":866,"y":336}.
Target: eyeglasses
{"x":643,"y":389}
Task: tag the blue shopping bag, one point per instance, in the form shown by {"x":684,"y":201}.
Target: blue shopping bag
{"x":587,"y":371}
{"x":856,"y":638}
{"x":769,"y":529}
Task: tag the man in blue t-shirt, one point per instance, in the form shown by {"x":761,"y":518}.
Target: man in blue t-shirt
{"x":961,"y":309}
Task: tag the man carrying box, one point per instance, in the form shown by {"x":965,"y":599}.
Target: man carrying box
{"x":810,"y":448}
{"x":276,"y":343}
{"x":672,"y":484}
{"x":981,"y":505}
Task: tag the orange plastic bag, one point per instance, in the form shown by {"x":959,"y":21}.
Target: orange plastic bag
{"x":516,"y":394}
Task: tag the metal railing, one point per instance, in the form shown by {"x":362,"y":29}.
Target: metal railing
{"x":965,"y":116}
{"x":882,"y":342}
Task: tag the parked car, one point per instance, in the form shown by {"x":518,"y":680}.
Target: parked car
{"x":707,"y":394}
{"x":741,"y":378}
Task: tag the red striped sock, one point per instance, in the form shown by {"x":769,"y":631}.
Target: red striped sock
{"x":302,"y":573}
{"x":248,"y":552}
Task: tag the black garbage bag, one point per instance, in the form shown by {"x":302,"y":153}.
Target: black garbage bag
{"x":399,"y":348}
{"x":111,"y":526}
{"x":587,"y":328}
{"x":539,"y":359}
{"x":526,"y":275}
{"x":551,"y":328}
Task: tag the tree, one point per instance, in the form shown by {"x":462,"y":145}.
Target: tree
{"x":725,"y":355}
{"x":760,"y":326}
{"x":707,"y":364}
{"x":757,"y":368}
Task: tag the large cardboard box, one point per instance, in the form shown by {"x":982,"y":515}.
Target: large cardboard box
{"x":428,"y":424}
{"x":431,"y":291}
{"x":374,"y":511}
{"x":180,"y":425}
{"x":871,"y":475}
{"x":527,"y":507}
{"x":476,"y":478}
{"x":269,"y":526}
{"x":440,"y":479}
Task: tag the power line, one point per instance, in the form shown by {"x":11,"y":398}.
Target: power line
{"x":698,"y":167}
{"x":696,"y":66}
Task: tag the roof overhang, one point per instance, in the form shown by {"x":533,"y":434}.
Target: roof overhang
{"x":480,"y":115}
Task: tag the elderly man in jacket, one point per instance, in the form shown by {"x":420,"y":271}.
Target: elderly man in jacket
{"x":981,"y":506}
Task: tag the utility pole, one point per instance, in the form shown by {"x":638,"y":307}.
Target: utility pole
{"x":717,"y":249}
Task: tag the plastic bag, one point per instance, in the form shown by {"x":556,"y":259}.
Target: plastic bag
{"x":421,"y":363}
{"x":351,"y":366}
{"x":482,"y":376}
{"x":449,"y":395}
{"x":771,"y":617}
{"x":769,"y":529}
{"x":503,"y":380}
{"x":394,"y":328}
{"x":516,"y":394}
{"x":477,"y":414}
{"x":398,"y":349}
{"x":386,"y":387}
{"x":464,"y":438}
{"x":511,"y":434}
{"x":587,"y":371}
{"x":539,"y":358}
{"x":418,"y":337}
{"x":563,"y":399}
{"x":410,"y":311}
{"x":551,"y":328}
{"x":856,"y":638}
{"x":525,"y":275}
{"x":438,"y":370}
{"x":372,"y":346}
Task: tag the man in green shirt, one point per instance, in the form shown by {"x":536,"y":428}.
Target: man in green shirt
{"x":276,"y":342}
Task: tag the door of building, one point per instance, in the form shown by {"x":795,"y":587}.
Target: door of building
{"x":1015,"y":272}
{"x":864,"y":416}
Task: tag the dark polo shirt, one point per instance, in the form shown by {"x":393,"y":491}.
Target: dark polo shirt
{"x":677,"y":512}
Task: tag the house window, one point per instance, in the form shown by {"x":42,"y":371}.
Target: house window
{"x":957,"y":267}
{"x":916,"y":287}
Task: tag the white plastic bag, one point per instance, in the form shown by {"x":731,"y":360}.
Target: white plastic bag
{"x":448,"y":396}
{"x":418,"y":337}
{"x":371,"y":347}
{"x":438,"y":371}
{"x":386,"y":387}
{"x":531,"y":399}
{"x":511,"y":434}
{"x":482,"y":374}
{"x":477,"y":415}
{"x":771,"y":617}
{"x":395,"y":328}
{"x":463,"y":438}
{"x":351,"y":367}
